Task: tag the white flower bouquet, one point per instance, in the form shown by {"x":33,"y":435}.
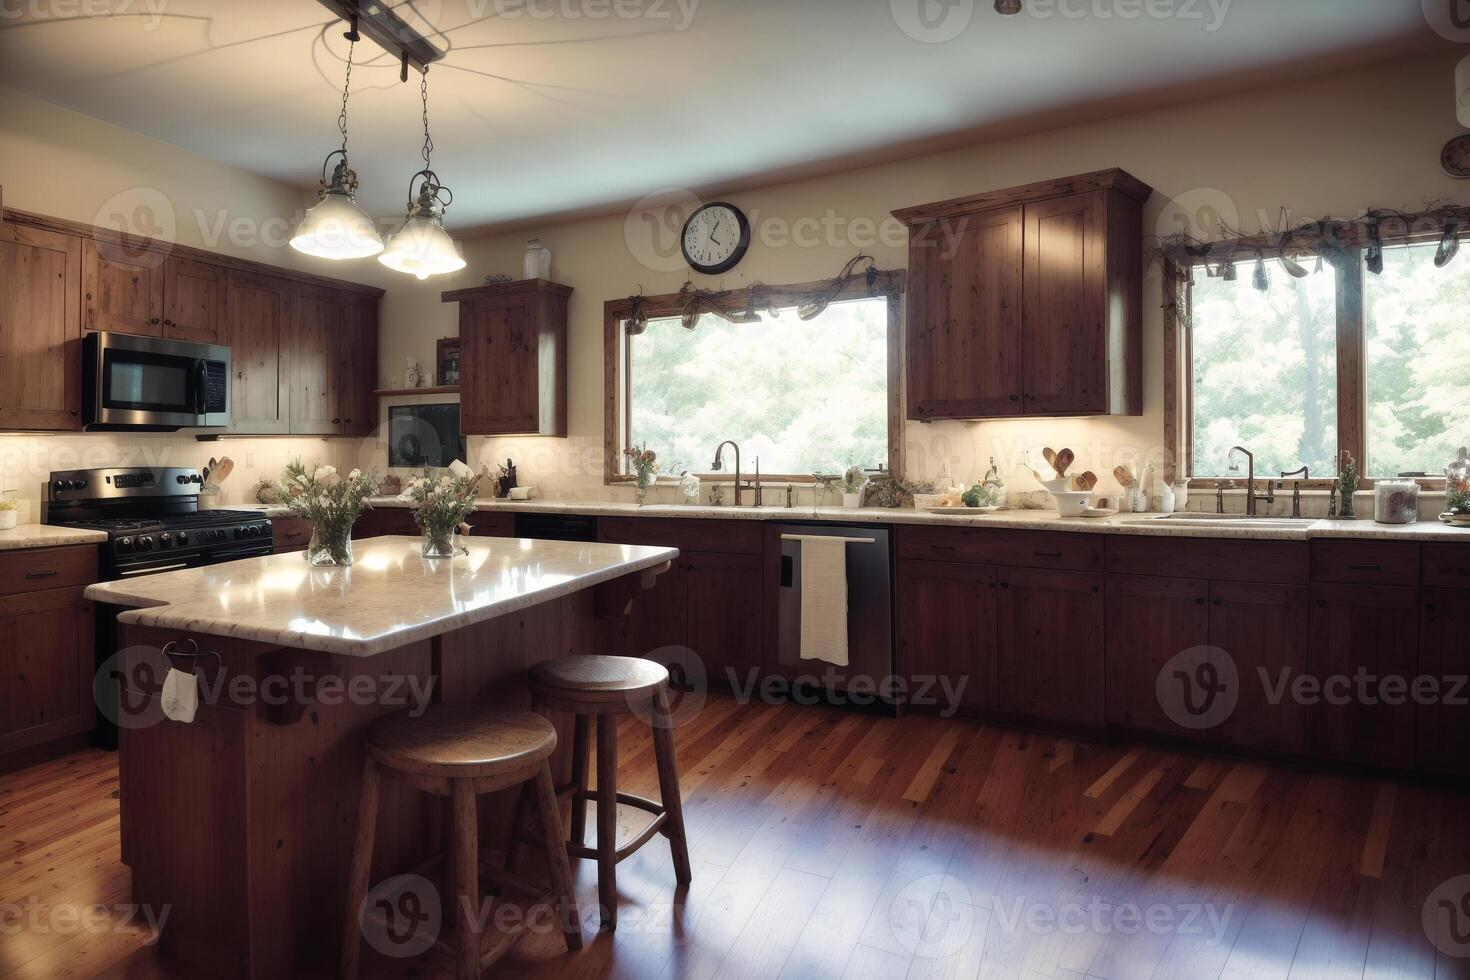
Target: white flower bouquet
{"x":440,"y":508}
{"x":332,"y":503}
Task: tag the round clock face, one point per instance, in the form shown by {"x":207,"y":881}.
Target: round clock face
{"x":1455,"y":158}
{"x":715,"y":238}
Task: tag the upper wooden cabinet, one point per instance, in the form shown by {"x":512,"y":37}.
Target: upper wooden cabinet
{"x":316,"y":332}
{"x":122,"y":288}
{"x":40,"y":328}
{"x":513,"y":358}
{"x":1027,"y":301}
{"x":357,"y":369}
{"x":259,"y":333}
{"x":194,"y":301}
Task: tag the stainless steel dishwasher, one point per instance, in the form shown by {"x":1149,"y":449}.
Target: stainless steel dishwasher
{"x":869,"y":607}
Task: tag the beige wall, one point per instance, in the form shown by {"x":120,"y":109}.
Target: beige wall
{"x":1335,"y":145}
{"x":60,"y":163}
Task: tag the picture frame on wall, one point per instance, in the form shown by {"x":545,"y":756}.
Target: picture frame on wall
{"x":448,"y":361}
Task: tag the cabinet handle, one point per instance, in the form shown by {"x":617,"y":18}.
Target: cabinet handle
{"x":1429,"y":607}
{"x":336,"y":421}
{"x":154,"y":321}
{"x":1363,"y":566}
{"x":942,"y":547}
{"x":35,"y":575}
{"x":1218,"y":602}
{"x":1047,"y":554}
{"x":1005,"y":585}
{"x":1199,"y":602}
{"x":1015,"y":398}
{"x":1321,"y":603}
{"x":167,"y":322}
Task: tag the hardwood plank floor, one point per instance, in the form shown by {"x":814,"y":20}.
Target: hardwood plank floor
{"x":834,"y":844}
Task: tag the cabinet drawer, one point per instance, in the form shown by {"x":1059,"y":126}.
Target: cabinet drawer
{"x":1365,"y":562}
{"x":997,"y":546}
{"x":686,"y":534}
{"x":290,"y":533}
{"x":47,"y":568}
{"x":1218,"y":560}
{"x":1447,"y":566}
{"x":493,"y":525}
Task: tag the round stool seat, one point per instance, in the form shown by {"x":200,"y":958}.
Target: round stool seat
{"x":599,"y":679}
{"x":462,"y":741}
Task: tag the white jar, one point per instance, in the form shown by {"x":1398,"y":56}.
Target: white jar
{"x":1161,"y":500}
{"x":537,"y":262}
{"x":1396,"y":502}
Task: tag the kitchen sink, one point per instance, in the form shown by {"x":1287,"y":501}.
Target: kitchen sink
{"x":1231,"y":521}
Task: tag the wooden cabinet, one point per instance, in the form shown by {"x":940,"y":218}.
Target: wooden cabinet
{"x":1262,"y":628}
{"x":316,"y":332}
{"x":1363,"y":637}
{"x":1150,"y":623}
{"x":40,"y":328}
{"x":513,"y":358}
{"x":963,"y":351}
{"x":290,"y":534}
{"x":194,"y":301}
{"x":47,"y":640}
{"x":122,"y":288}
{"x":946,"y":620}
{"x":260,"y":351}
{"x":1049,"y":642}
{"x":1444,"y":655}
{"x":726,"y":603}
{"x":1028,"y":301}
{"x":357,"y":369}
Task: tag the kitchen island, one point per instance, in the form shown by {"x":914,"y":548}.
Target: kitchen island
{"x":241,"y":822}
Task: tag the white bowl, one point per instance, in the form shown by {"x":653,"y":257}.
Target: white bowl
{"x":1072,"y":503}
{"x":1062,"y":485}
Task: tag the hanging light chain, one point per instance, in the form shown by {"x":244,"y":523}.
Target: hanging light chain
{"x":428,"y":140}
{"x":346,"y":91}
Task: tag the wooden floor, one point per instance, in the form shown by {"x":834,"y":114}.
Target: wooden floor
{"x":829,"y":843}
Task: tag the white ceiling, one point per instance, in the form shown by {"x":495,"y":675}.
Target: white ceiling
{"x":560,"y":106}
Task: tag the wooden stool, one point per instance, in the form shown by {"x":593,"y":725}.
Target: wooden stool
{"x":461,"y":751}
{"x":606,"y":687}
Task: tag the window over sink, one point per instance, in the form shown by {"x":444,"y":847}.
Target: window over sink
{"x":811,"y":396}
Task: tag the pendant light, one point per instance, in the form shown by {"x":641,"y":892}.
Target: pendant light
{"x":422,"y":247}
{"x":336,"y":228}
{"x":1449,"y":245}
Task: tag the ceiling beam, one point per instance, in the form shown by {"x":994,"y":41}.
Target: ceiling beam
{"x":377,"y":20}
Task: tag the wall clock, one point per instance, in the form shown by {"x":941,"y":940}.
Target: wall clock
{"x":716,"y":238}
{"x":1455,"y":157}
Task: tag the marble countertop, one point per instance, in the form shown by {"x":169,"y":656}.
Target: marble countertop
{"x":389,"y":597}
{"x":46,"y":536}
{"x":1036,"y":520}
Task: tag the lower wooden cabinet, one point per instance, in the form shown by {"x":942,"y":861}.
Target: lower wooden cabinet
{"x":290,"y":534}
{"x":1049,"y":662}
{"x":725,"y":604}
{"x":46,"y":665}
{"x":1362,"y":638}
{"x":946,"y":616}
{"x":1156,"y":625}
{"x":1262,"y":628}
{"x":1444,"y":654}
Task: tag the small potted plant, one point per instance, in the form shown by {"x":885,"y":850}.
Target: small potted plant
{"x":851,"y":485}
{"x":332,"y":503}
{"x":440,"y":508}
{"x":9,"y":513}
{"x":645,"y":469}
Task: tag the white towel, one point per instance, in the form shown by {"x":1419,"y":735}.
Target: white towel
{"x":180,"y":695}
{"x":824,"y":596}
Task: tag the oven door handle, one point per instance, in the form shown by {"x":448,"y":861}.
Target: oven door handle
{"x":151,"y":570}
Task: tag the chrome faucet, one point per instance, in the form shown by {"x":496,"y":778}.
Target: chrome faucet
{"x":719,"y":464}
{"x":1251,"y":497}
{"x":1296,"y":489}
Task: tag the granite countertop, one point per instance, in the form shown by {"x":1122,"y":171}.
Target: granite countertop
{"x":388,"y":598}
{"x":1031,"y":520}
{"x":46,"y":536}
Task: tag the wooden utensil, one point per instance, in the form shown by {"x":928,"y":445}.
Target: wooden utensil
{"x":1084,"y":481}
{"x":1051,"y":457}
{"x":1064,"y":460}
{"x":1124,"y":478}
{"x":221,"y":472}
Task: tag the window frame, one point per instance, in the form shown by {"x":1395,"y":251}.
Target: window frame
{"x":1342,"y":245}
{"x":617,"y":407}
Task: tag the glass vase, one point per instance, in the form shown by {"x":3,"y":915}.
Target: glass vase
{"x":641,"y":494}
{"x":443,"y":544}
{"x":330,"y":547}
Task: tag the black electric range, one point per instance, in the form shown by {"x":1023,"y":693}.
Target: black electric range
{"x":153,"y":523}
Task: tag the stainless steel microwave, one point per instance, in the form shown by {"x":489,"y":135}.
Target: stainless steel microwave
{"x":145,"y":383}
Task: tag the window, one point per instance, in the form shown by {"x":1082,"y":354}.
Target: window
{"x":1341,"y":359}
{"x":806,"y":396}
{"x":1418,"y":361}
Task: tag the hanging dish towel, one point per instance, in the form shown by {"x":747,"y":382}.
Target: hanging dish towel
{"x":824,"y":596}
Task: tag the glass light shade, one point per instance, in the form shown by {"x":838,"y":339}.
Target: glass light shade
{"x":1462,"y":91}
{"x":422,"y":248}
{"x":336,"y":228}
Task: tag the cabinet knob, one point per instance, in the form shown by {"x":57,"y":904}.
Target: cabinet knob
{"x":154,"y":321}
{"x":1218,"y":602}
{"x":1199,"y":602}
{"x":1015,"y":398}
{"x":1321,"y":603}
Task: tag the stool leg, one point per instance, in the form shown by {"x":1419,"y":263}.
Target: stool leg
{"x":607,"y":819}
{"x":556,"y":858}
{"x":668,"y":785}
{"x":362,"y":862}
{"x":515,"y":846}
{"x":467,"y":878}
{"x":581,"y":760}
